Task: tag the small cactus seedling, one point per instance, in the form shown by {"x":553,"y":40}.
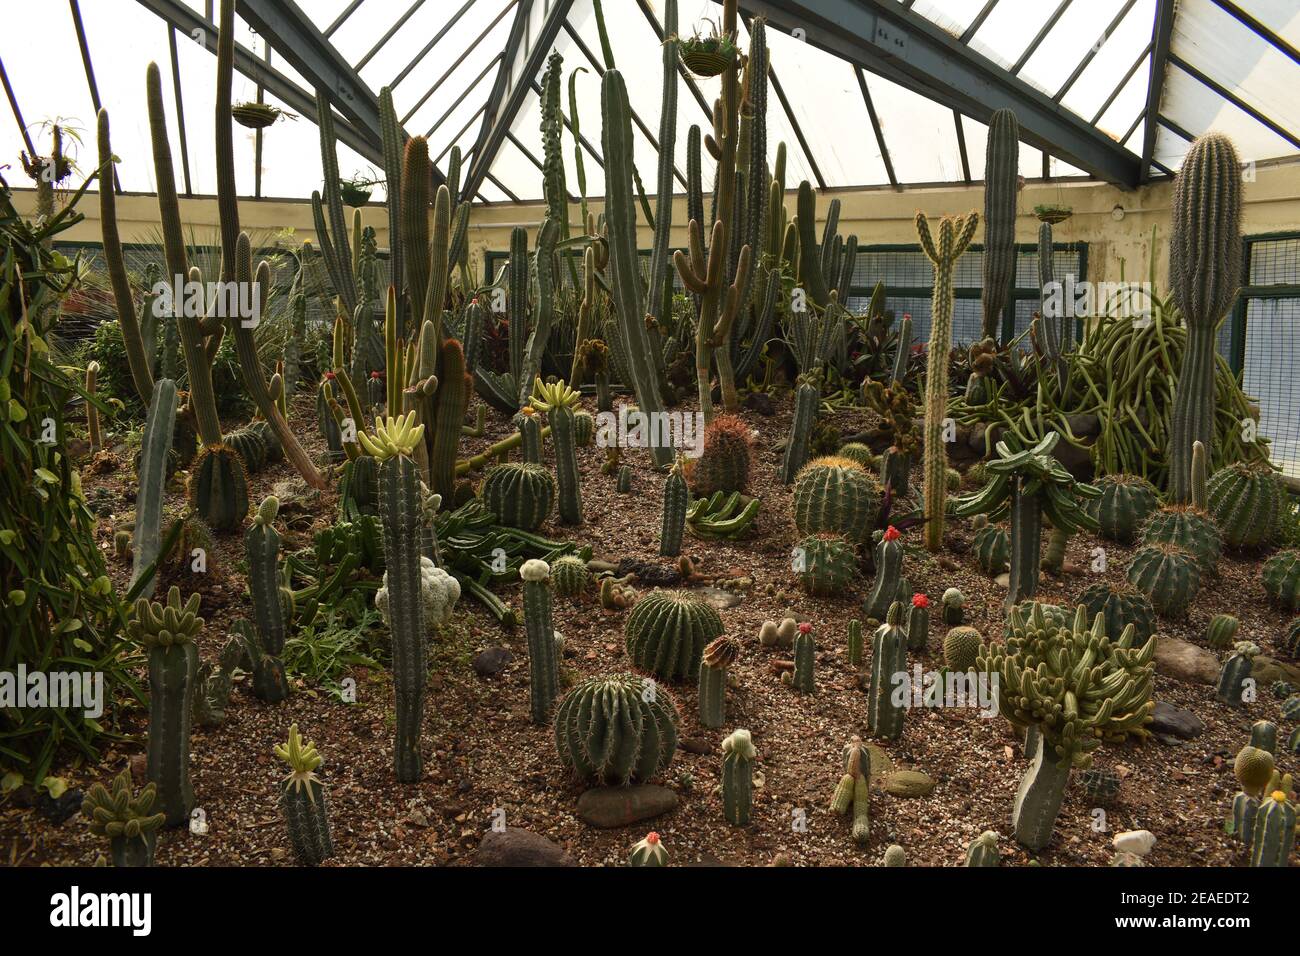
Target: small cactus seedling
{"x":983,"y":850}
{"x":648,"y":852}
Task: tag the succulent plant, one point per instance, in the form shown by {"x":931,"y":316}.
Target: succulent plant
{"x":1246,"y":502}
{"x":983,"y":850}
{"x":1222,"y":630}
{"x":826,"y":563}
{"x":127,"y":821}
{"x":855,"y":642}
{"x":519,"y":494}
{"x":888,"y":658}
{"x":1241,"y":820}
{"x":1236,"y":671}
{"x":724,"y":463}
{"x":1124,"y":504}
{"x":1187,"y":527}
{"x":718,"y":657}
{"x":302,"y":800}
{"x":1291,"y":639}
{"x":543,"y":656}
{"x":738,"y":755}
{"x":804,"y":660}
{"x":1120,"y":605}
{"x":889,"y":582}
{"x":1282,"y":580}
{"x":895,"y":855}
{"x":569,"y":576}
{"x":666,"y":633}
{"x":677,"y":499}
{"x":953,"y":602}
{"x":1263,"y":736}
{"x":961,"y":646}
{"x":1273,"y":836}
{"x":617,"y":729}
{"x":648,"y":852}
{"x":1168,"y":575}
{"x":1100,"y":786}
{"x":836,"y":495}
{"x":854,"y":790}
{"x":992,"y":547}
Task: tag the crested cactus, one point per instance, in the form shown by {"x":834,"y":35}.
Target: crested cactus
{"x":616,"y":730}
{"x":918,"y":623}
{"x":807,"y":400}
{"x":151,"y":476}
{"x":805,"y":655}
{"x":677,"y":498}
{"x":168,"y":631}
{"x":1282,"y":580}
{"x":667,"y":631}
{"x":1001,"y":184}
{"x":1246,"y":502}
{"x":961,"y":645}
{"x":569,"y":576}
{"x":825,"y":563}
{"x":1124,"y":504}
{"x":1205,"y":251}
{"x":1188,"y":527}
{"x":836,"y":495}
{"x":1222,"y":630}
{"x":724,"y":463}
{"x":520,"y":495}
{"x":543,"y":658}
{"x":983,"y":850}
{"x":718,"y":656}
{"x":888,"y":658}
{"x":1273,"y":837}
{"x":262,"y":546}
{"x":302,"y":800}
{"x":889,"y":567}
{"x":954,"y":236}
{"x":855,"y":642}
{"x":738,"y":755}
{"x":853,"y":792}
{"x":992,"y":547}
{"x":1167,"y":575}
{"x":1076,"y":687}
{"x":1120,"y":606}
{"x":127,"y":821}
{"x":1231,"y":686}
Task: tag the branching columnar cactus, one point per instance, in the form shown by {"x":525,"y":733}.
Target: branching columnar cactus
{"x":855,"y":642}
{"x":889,"y":569}
{"x":825,"y":563}
{"x":1030,"y":485}
{"x":1221,"y":631}
{"x":262,"y":545}
{"x":807,"y":400}
{"x":836,"y":495}
{"x":677,"y":499}
{"x":1077,"y":688}
{"x":167,"y":631}
{"x":616,"y":730}
{"x":543,"y":658}
{"x":992,"y":547}
{"x":983,"y":850}
{"x":918,"y":623}
{"x":854,"y":790}
{"x":1282,"y":580}
{"x":888,"y":658}
{"x":519,"y":494}
{"x":1246,"y":502}
{"x":738,"y":755}
{"x":151,"y":477}
{"x":648,"y":852}
{"x":1001,"y":184}
{"x":557,"y":402}
{"x":954,"y":236}
{"x":393,"y":442}
{"x":1120,"y":605}
{"x":718,"y":656}
{"x":667,"y":631}
{"x":1236,"y":671}
{"x":1205,"y":271}
{"x":127,"y":821}
{"x":1168,"y":575}
{"x":1273,"y":836}
{"x":724,"y":463}
{"x":302,"y":801}
{"x":805,"y":657}
{"x":961,"y":645}
{"x":1123,"y":506}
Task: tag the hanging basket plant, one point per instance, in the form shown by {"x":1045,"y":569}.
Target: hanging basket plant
{"x":709,"y":55}
{"x":1053,"y":212}
{"x":256,"y":115}
{"x":356,"y":191}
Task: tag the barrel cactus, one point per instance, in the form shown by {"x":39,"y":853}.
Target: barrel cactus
{"x":127,"y":821}
{"x":667,"y":631}
{"x":856,"y":451}
{"x":1120,"y":605}
{"x":718,"y":657}
{"x":648,"y":852}
{"x":218,"y":488}
{"x":1263,"y":735}
{"x":569,"y":576}
{"x":1291,"y":638}
{"x":724,"y":463}
{"x":836,"y":495}
{"x":983,"y":850}
{"x":1188,"y":527}
{"x":1168,"y":575}
{"x":1282,"y":580}
{"x":992,"y":549}
{"x":895,"y":855}
{"x":1246,"y":502}
{"x":1237,"y":669}
{"x":738,"y":756}
{"x":961,"y":645}
{"x":825,"y":563}
{"x":302,"y":800}
{"x":615,"y":730}
{"x":1222,"y":631}
{"x":1125,"y":503}
{"x":1273,"y":837}
{"x":519,"y":494}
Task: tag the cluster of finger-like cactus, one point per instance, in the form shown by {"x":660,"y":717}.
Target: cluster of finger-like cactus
{"x":854,"y":789}
{"x":667,"y":631}
{"x":127,"y":821}
{"x":722,"y":515}
{"x":825,"y":563}
{"x":616,"y":730}
{"x":717,"y":659}
{"x":1119,"y":605}
{"x":1123,"y":506}
{"x":838,"y":496}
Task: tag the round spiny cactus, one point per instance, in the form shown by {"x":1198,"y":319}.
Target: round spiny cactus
{"x":616,"y":730}
{"x":1253,"y":769}
{"x":836,"y":495}
{"x":724,"y":464}
{"x":1282,"y":580}
{"x":1100,"y":786}
{"x":827,"y":563}
{"x":519,"y":494}
{"x":667,"y":631}
{"x":1246,"y":502}
{"x":1120,"y":605}
{"x":1188,"y":527}
{"x":1167,"y":574}
{"x":856,"y":451}
{"x":569,"y":576}
{"x":1125,"y":502}
{"x":961,"y":645}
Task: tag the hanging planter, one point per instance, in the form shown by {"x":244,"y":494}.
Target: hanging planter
{"x":355,"y":192}
{"x":1053,"y":212}
{"x":711,"y":55}
{"x":256,"y":115}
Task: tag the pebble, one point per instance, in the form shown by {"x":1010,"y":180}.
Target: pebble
{"x":909,"y":783}
{"x":1136,"y":842}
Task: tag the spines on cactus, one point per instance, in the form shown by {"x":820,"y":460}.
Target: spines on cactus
{"x":718,"y":657}
{"x":961,"y":646}
{"x":667,"y":631}
{"x":1124,"y":504}
{"x":1001,"y":184}
{"x":302,"y":800}
{"x":1282,"y":580}
{"x":983,"y":850}
{"x":953,"y":602}
{"x":543,"y":658}
{"x":262,"y":546}
{"x":152,"y":480}
{"x":1273,"y":837}
{"x":854,"y":790}
{"x":836,"y":495}
{"x":519,"y":494}
{"x":992,"y":547}
{"x":825,"y":563}
{"x":888,"y":658}
{"x":1120,"y":606}
{"x":1221,"y":631}
{"x":738,"y":756}
{"x":630,"y":749}
{"x":676,"y":500}
{"x":724,"y":463}
{"x":648,"y":852}
{"x":889,"y":568}
{"x":807,"y":400}
{"x":918,"y":623}
{"x":805,"y":654}
{"x":1168,"y":575}
{"x":1246,"y":502}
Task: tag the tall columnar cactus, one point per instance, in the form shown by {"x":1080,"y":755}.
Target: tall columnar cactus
{"x":616,"y":730}
{"x":1076,"y":687}
{"x":1273,"y":836}
{"x":954,"y":236}
{"x":151,"y":477}
{"x":557,"y":401}
{"x":807,"y":400}
{"x":667,"y":631}
{"x":94,"y":433}
{"x":718,"y":657}
{"x":888,"y":658}
{"x":1236,"y":671}
{"x":530,"y":434}
{"x":837,"y":496}
{"x":1205,"y":271}
{"x":918,"y":623}
{"x":676,"y":500}
{"x":1282,"y":580}
{"x":416,"y":179}
{"x":543,"y":308}
{"x":454,"y":387}
{"x":127,"y":821}
{"x":1123,"y":506}
{"x":1246,"y":502}
{"x":1001,"y":184}
{"x":262,"y":545}
{"x":167,"y":631}
{"x":738,"y":755}
{"x":391,"y":131}
{"x":399,"y":516}
{"x":519,"y":494}
{"x":543,"y":658}
{"x":1030,"y":485}
{"x":983,"y":850}
{"x":854,"y":790}
{"x":1241,"y":819}
{"x":855,"y":642}
{"x":805,"y":656}
{"x":302,"y":800}
{"x":889,"y":569}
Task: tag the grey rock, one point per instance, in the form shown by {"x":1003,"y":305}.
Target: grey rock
{"x":908,"y":783}
{"x":515,"y":846}
{"x":719,"y":598}
{"x":1168,"y":719}
{"x":492,"y":661}
{"x":1185,"y":662}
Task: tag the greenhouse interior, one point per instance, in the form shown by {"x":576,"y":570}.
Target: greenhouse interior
{"x":756,"y":433}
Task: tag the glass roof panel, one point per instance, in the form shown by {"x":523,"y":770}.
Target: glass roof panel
{"x":1195,"y":108}
{"x":1080,"y":28}
{"x":919,"y":133}
{"x":1010,"y":28}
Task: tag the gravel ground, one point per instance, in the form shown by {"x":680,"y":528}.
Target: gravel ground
{"x":483,"y":756}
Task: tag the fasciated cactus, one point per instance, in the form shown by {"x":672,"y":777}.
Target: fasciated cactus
{"x":724,"y":463}
{"x":1222,"y":631}
{"x":889,"y":569}
{"x":1236,"y":671}
{"x":1168,"y":575}
{"x":961,"y":645}
{"x":1120,"y":605}
{"x":836,"y":495}
{"x":1246,"y":502}
{"x":667,"y":631}
{"x":302,"y":800}
{"x":825,"y":563}
{"x":983,"y":850}
{"x":738,"y":756}
{"x":615,"y":730}
{"x":569,"y":576}
{"x":888,"y":657}
{"x":853,"y":792}
{"x":677,"y":499}
{"x":718,"y":657}
{"x":1282,"y":580}
{"x":543,"y":656}
{"x":520,"y":495}
{"x":127,"y":821}
{"x":1273,"y":837}
{"x":1188,"y":527}
{"x":1125,"y":503}
{"x":992,"y":549}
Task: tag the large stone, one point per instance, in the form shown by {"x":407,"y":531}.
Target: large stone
{"x":1168,"y":719}
{"x":491,"y":661}
{"x":607,"y":807}
{"x":908,"y":783}
{"x":1266,"y":670}
{"x":720,"y":598}
{"x":1185,"y":662}
{"x":514,"y":846}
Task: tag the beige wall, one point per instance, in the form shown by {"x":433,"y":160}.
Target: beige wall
{"x":880,"y":215}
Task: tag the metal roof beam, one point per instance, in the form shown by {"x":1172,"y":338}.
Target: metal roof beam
{"x":1244,"y":18}
{"x":875,"y":125}
{"x":1234,"y":99}
{"x":1161,"y":31}
{"x":500,"y":86}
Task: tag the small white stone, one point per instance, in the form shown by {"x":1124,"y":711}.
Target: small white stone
{"x":1137,"y":842}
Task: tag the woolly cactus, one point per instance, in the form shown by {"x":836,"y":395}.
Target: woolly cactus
{"x":167,"y":631}
{"x":1282,"y":580}
{"x":943,"y":252}
{"x":520,"y":495}
{"x":1120,"y":606}
{"x":854,"y":790}
{"x":889,"y":567}
{"x":676,"y":500}
{"x":616,"y":730}
{"x":1188,"y":527}
{"x":1246,"y":502}
{"x":836,"y":495}
{"x":127,"y":821}
{"x":302,"y":801}
{"x":805,"y":653}
{"x":825,"y":563}
{"x":1168,"y":575}
{"x":724,"y":463}
{"x":1222,"y":630}
{"x":569,"y":576}
{"x":648,"y":852}
{"x":718,"y":656}
{"x":1236,"y":671}
{"x":855,"y":642}
{"x":888,"y":658}
{"x":1273,"y":836}
{"x":1077,"y":687}
{"x":983,"y":850}
{"x":961,"y":645}
{"x":1001,"y":184}
{"x":543,"y":663}
{"x":807,"y":400}
{"x":953,"y":601}
{"x":667,"y":631}
{"x":738,"y":755}
{"x":1123,"y":506}
{"x":1205,"y":271}
{"x":992,"y":548}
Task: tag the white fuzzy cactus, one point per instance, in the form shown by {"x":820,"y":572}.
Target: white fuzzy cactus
{"x":439,"y":590}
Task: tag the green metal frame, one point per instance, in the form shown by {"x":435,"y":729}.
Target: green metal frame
{"x":1237,"y":331}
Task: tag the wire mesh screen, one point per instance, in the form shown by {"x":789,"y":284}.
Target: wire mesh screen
{"x":1268,"y":374}
{"x":1275,"y":261}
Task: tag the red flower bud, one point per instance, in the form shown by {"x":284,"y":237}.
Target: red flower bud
{"x":805,"y":627}
{"x":652,"y":838}
{"x":892,"y":533}
{"x":920,"y":600}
